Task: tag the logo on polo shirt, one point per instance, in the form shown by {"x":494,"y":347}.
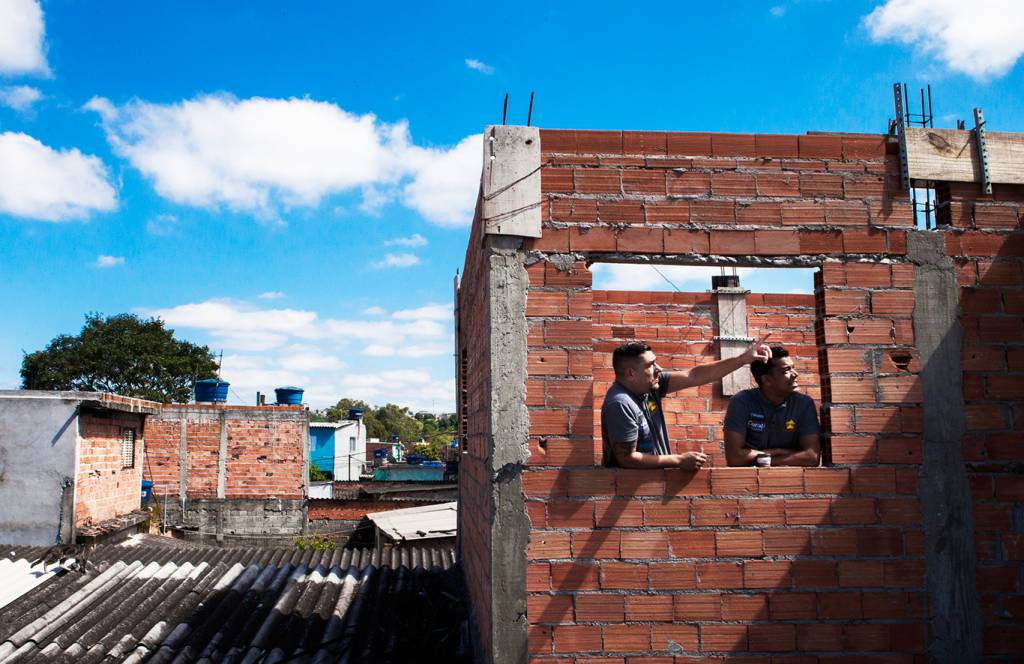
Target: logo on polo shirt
{"x":790,"y":425}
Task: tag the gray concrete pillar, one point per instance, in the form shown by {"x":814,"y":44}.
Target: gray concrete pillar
{"x":943,"y":487}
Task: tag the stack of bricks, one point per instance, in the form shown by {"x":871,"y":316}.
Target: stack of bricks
{"x":680,"y":329}
{"x":807,"y":565}
{"x":989,"y":260}
{"x":104,"y":488}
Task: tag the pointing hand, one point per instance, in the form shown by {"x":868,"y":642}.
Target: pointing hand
{"x":759,"y":350}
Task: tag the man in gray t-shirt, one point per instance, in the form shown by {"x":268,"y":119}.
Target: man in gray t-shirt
{"x":772,"y":418}
{"x":632,"y":418}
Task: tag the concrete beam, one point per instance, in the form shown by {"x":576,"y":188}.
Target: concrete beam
{"x":943,"y":487}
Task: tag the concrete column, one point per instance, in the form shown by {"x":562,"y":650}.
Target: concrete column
{"x":183,"y":464}
{"x":732,"y":332}
{"x":222,"y":457}
{"x":508,"y":284}
{"x":943,"y":488}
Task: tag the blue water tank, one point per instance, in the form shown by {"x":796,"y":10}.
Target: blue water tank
{"x":355,"y":413}
{"x":147,"y":491}
{"x":289,"y":395}
{"x":211,"y":390}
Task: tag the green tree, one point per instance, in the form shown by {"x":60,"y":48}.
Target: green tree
{"x":399,"y":421}
{"x":123,"y":354}
{"x":339,"y":412}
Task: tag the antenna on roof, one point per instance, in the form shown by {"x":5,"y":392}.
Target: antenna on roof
{"x":529,"y":114}
{"x":504,"y":110}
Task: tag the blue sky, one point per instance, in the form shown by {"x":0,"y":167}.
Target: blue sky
{"x":291,"y":183}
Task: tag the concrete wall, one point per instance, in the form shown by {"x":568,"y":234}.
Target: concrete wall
{"x":38,"y":444}
{"x":905,"y":544}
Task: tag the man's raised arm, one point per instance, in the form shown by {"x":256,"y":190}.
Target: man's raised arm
{"x":712,"y":371}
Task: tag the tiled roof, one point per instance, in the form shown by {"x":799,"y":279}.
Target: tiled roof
{"x":159,"y":603}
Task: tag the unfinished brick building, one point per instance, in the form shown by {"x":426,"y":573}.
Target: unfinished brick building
{"x":224,"y":470}
{"x":907,"y":543}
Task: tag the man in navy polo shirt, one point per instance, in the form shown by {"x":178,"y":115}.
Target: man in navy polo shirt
{"x":772,"y":418}
{"x":632,"y":420}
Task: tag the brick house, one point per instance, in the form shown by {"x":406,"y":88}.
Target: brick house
{"x":68,"y":461}
{"x":225,"y":470}
{"x":905,"y":543}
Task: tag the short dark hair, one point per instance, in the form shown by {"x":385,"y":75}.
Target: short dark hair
{"x":759,"y":368}
{"x":627,"y":353}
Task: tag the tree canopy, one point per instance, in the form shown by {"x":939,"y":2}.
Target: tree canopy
{"x":124,"y":354}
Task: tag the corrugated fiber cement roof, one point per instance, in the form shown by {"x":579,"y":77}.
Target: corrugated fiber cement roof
{"x":183,"y":604}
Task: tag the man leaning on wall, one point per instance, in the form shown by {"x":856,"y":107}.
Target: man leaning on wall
{"x":632,"y":419}
{"x":772,"y":424}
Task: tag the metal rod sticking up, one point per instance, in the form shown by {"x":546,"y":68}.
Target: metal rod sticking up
{"x":504,"y":110}
{"x":529,"y":114}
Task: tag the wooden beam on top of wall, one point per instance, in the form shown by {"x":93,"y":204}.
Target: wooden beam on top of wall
{"x":951,"y":155}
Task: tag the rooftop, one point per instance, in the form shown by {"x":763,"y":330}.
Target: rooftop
{"x":134,"y":603}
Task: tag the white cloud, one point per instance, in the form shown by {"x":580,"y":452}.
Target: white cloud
{"x":38,"y":182}
{"x":104,"y":261}
{"x":426,"y":312}
{"x":244,"y":327}
{"x":374,"y":311}
{"x":19,"y":97}
{"x":162,"y":224}
{"x":21,"y":38}
{"x":981,"y":39}
{"x":446,"y":182}
{"x":479,"y":66}
{"x":330,"y":358}
{"x":265,"y":156}
{"x":271,"y":295}
{"x":397,"y":260}
{"x":414,"y":240}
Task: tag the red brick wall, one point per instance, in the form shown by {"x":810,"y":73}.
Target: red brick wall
{"x":680,"y":329}
{"x":475,"y":498}
{"x":264,"y":451}
{"x":782,"y":562}
{"x":103,"y":488}
{"x":989,"y":259}
{"x":354,"y":510}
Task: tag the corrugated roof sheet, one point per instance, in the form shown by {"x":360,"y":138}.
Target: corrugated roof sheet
{"x":417,"y":523}
{"x":157,"y":603}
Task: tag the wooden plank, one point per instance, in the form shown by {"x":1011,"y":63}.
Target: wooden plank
{"x":951,"y":155}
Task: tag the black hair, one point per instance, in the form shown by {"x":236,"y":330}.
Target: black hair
{"x":759,"y":368}
{"x":627,"y":353}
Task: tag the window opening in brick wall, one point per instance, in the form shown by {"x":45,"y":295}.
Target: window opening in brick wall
{"x":675,"y":310}
{"x":923,"y":200}
{"x":127,"y":448}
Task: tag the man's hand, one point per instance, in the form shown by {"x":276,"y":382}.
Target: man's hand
{"x":759,"y":350}
{"x":692,"y":460}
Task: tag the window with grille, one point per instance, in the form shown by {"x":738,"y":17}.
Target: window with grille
{"x":127,"y":448}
